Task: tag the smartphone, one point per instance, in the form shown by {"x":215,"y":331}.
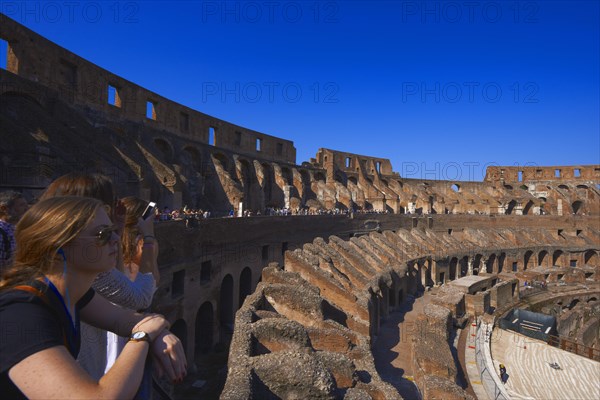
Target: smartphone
{"x":149,"y":211}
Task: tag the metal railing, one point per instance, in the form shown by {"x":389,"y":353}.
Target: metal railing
{"x":574,"y":347}
{"x":487,"y":374}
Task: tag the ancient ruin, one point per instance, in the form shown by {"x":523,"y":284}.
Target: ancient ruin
{"x":296,"y":304}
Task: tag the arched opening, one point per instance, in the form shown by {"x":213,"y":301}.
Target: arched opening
{"x":527,"y":207}
{"x":455,"y":187}
{"x":222,"y":159}
{"x":305,"y":177}
{"x":428,"y":278}
{"x":582,"y":187}
{"x":511,"y":206}
{"x":246,"y":173}
{"x":573,"y":303}
{"x":191,"y":158}
{"x":245,"y":284}
{"x":319,"y":177}
{"x":179,"y":329}
{"x":489,"y":265}
{"x":164,"y":148}
{"x":340,"y":177}
{"x":501,"y":259}
{"x":556,"y":256}
{"x":204,"y":329}
{"x":452,"y":267}
{"x":476,"y":264}
{"x":267,"y":182}
{"x":541,"y":256}
{"x":226,"y":305}
{"x":464,"y":266}
{"x":564,"y":187}
{"x":590,"y":258}
{"x":353,"y":180}
{"x":576,"y":206}
{"x":16,"y":95}
{"x":287,"y":176}
{"x":527,"y":259}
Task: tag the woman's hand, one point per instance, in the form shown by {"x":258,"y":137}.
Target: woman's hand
{"x":153,"y":325}
{"x":146,"y":226}
{"x":169,"y":356}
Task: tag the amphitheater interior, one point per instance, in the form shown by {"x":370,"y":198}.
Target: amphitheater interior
{"x":295,"y":306}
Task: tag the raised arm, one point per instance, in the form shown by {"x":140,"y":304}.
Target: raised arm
{"x":148,"y":262}
{"x":117,"y":288}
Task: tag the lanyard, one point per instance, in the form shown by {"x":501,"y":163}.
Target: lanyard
{"x":73,"y":325}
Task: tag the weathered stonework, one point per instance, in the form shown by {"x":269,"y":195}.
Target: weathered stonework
{"x":326,"y":281}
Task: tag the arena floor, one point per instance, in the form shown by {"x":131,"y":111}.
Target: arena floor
{"x":530,"y":376}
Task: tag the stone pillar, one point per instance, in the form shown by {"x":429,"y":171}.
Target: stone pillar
{"x":559,"y":208}
{"x":287,"y":189}
{"x":470,"y":266}
{"x":518,"y":209}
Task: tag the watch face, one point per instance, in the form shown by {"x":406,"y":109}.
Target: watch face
{"x":139,"y":335}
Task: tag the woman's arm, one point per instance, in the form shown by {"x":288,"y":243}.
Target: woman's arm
{"x":101,"y":313}
{"x":118,"y":289}
{"x":52,"y":373}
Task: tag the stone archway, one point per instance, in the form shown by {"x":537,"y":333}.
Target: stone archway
{"x":452,"y":268}
{"x":204,"y":329}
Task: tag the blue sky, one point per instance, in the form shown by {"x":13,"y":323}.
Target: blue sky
{"x":441,"y":88}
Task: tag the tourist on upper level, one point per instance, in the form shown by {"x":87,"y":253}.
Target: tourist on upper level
{"x":63,"y":243}
{"x":111,"y":283}
{"x":12,"y":207}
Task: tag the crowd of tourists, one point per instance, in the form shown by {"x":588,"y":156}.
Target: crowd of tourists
{"x":78,"y":273}
{"x":185,"y":213}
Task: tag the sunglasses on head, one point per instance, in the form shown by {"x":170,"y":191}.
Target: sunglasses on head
{"x":103,"y":236}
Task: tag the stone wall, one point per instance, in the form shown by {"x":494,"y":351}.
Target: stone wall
{"x":338,"y":289}
{"x":84,"y":84}
{"x":575,"y":173}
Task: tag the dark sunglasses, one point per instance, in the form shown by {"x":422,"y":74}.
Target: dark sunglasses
{"x":103,"y":236}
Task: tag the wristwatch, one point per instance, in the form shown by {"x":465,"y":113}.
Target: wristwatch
{"x":139,"y":337}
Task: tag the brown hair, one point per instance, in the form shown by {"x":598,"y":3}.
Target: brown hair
{"x":129,"y":240}
{"x":94,"y":185}
{"x":43,"y":229}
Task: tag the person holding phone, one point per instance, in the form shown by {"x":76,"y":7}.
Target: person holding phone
{"x":140,"y":248}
